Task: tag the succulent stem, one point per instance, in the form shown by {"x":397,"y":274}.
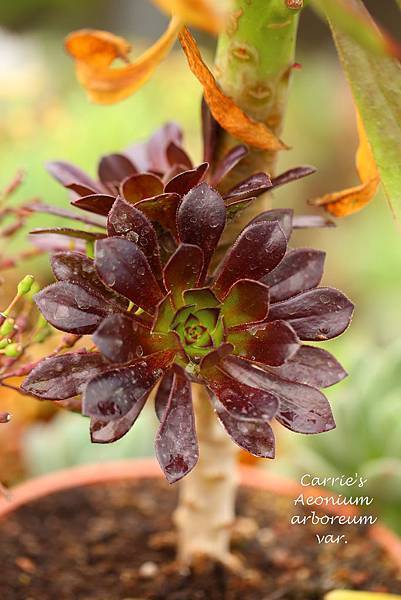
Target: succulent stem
{"x":205,"y":513}
{"x":254,"y":59}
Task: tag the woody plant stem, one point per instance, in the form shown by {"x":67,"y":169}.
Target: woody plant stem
{"x":254,"y":60}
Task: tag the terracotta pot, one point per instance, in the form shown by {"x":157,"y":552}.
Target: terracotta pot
{"x":148,"y":468}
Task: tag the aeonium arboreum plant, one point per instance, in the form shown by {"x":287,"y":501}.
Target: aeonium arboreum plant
{"x":238,"y":331}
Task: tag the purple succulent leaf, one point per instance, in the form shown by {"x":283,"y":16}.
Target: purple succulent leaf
{"x":163,"y":394}
{"x":64,"y":376}
{"x":124,"y":268}
{"x":239,"y":399}
{"x":39,"y":207}
{"x":283,"y":216}
{"x":79,"y":269}
{"x":254,"y":186}
{"x":316,"y":315}
{"x":151,"y":154}
{"x":228,"y":162}
{"x":57,"y":243}
{"x":308,"y":221}
{"x":247,"y":302}
{"x":176,"y":155}
{"x":132,"y":224}
{"x":270,"y":344}
{"x":292,"y":175}
{"x":176,"y":443}
{"x":67,"y":174}
{"x":99,"y":204}
{"x":256,"y":437}
{"x":140,"y":186}
{"x":312,"y":366}
{"x":183,"y":271}
{"x":243,"y":401}
{"x":210,"y":130}
{"x":303,"y":408}
{"x":121,"y":339}
{"x":181,"y":184}
{"x":201,"y":219}
{"x":256,"y":252}
{"x":112,"y":395}
{"x":71,"y":308}
{"x":162,"y":209}
{"x":89,"y":236}
{"x":107,"y":432}
{"x":114,"y":168}
{"x":301,"y":269}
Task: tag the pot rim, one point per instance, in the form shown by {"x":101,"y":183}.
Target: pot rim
{"x":148,"y":468}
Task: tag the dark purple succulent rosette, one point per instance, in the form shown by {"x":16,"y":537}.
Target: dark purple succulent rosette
{"x":154,"y":176}
{"x":238,"y":331}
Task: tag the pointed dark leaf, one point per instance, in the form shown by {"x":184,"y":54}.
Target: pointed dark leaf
{"x":269,"y":344}
{"x":68,"y":174}
{"x":292,"y":175}
{"x":176,"y":444}
{"x":131,"y":223}
{"x":283,"y":216}
{"x":308,"y":221}
{"x":246,"y":302}
{"x":158,"y":144}
{"x":182,"y":183}
{"x":64,"y":213}
{"x":241,"y":400}
{"x":318,"y":314}
{"x":163,"y":393}
{"x":161,"y":209}
{"x":183,"y":271}
{"x":89,"y":236}
{"x":303,"y":409}
{"x":256,"y":251}
{"x":210,"y":129}
{"x":106,"y":432}
{"x":77,"y":268}
{"x":114,"y":168}
{"x":64,"y":376}
{"x":176,"y":155}
{"x":121,"y":339}
{"x":113,"y":394}
{"x":71,"y":308}
{"x":228,"y":162}
{"x":255,"y":437}
{"x":100,"y":204}
{"x":300,"y":270}
{"x":123,"y":267}
{"x":140,"y":186}
{"x":201,"y":219}
{"x":254,"y":186}
{"x":312,"y":366}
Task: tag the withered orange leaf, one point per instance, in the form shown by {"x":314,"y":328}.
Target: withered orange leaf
{"x":204,"y":14}
{"x":94,"y":52}
{"x":225,"y":111}
{"x":351,"y":200}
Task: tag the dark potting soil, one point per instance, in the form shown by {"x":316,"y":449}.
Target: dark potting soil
{"x":116,"y":542}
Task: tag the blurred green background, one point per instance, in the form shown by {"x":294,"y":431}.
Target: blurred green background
{"x":45,"y":115}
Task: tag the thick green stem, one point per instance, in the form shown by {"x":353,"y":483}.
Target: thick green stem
{"x":254,"y":61}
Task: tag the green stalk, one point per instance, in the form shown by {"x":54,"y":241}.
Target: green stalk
{"x":254,"y":61}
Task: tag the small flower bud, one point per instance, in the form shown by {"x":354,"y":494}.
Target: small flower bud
{"x":4,"y":343}
{"x":7,"y":327}
{"x":25,"y":285}
{"x":13,"y":350}
{"x":5,"y":417}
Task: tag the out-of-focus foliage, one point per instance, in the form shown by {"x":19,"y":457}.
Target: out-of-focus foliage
{"x":367,"y":439}
{"x":68,"y":437}
{"x":349,"y":595}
